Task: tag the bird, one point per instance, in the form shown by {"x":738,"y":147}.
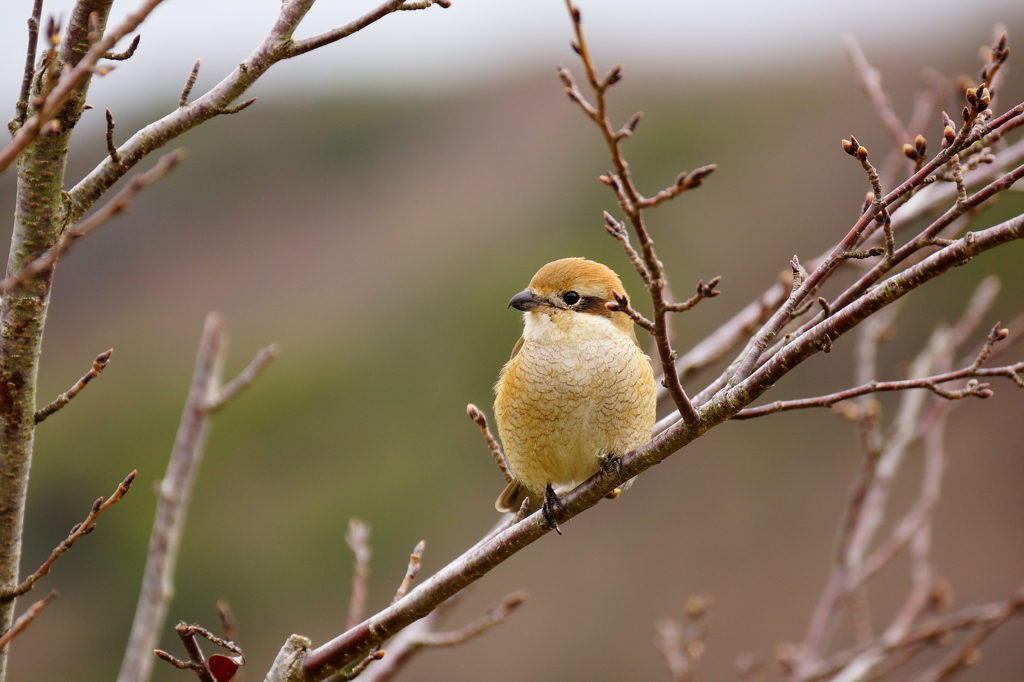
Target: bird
{"x":578,"y":391}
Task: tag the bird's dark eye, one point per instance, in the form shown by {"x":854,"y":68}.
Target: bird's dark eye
{"x":571,"y":297}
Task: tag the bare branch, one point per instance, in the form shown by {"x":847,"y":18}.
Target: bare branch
{"x":25,"y":619}
{"x":477,"y":415}
{"x":632,"y":203}
{"x":111,"y":147}
{"x":127,"y":54}
{"x":495,"y":614}
{"x":931,"y":383}
{"x":98,"y":365}
{"x":30,"y":64}
{"x":119,"y":204}
{"x":244,"y":379}
{"x":358,"y":541}
{"x":173,"y":496}
{"x":411,"y":572}
{"x":276,"y":46}
{"x":187,"y":90}
{"x":70,"y":82}
{"x":703,"y":291}
{"x":360,"y":667}
{"x":302,"y":46}
{"x":80,"y":529}
{"x":227,"y":620}
{"x":871,"y":80}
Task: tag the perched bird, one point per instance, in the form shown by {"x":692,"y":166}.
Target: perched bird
{"x":578,"y":392}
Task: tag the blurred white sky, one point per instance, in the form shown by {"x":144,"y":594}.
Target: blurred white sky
{"x":483,"y":39}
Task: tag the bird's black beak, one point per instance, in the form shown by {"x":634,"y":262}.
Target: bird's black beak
{"x":525,"y":301}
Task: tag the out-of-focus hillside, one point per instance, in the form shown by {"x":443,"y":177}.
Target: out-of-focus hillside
{"x":378,"y":240}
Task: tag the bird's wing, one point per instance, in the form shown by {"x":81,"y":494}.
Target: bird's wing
{"x":519,"y":346}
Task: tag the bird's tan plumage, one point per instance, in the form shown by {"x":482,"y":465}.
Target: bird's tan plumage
{"x":578,"y":386}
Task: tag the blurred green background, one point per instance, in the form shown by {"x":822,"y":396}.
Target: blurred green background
{"x":377,"y":238}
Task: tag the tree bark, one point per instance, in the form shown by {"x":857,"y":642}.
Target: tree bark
{"x":39,"y":219}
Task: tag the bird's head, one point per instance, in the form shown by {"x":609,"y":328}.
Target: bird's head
{"x":574,"y":285}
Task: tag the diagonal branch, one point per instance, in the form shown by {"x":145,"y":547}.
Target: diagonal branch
{"x":119,"y":204}
{"x":276,"y":46}
{"x":98,"y":365}
{"x":25,"y":619}
{"x":70,"y":82}
{"x":931,"y":383}
{"x":80,"y":529}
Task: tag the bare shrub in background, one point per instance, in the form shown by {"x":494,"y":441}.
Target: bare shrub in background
{"x":914,"y":227}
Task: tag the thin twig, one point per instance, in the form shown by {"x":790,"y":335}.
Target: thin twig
{"x":183,"y":100}
{"x":495,"y":614}
{"x":79,"y":530}
{"x":478,"y":417}
{"x":70,"y":82}
{"x":244,"y":378}
{"x":98,"y":365}
{"x":360,"y":667}
{"x":410,"y":573}
{"x":358,"y":539}
{"x":127,"y":54}
{"x":227,"y":620}
{"x":931,"y":383}
{"x":25,"y":619}
{"x":632,"y":203}
{"x":119,"y":204}
{"x":30,"y":63}
{"x":871,"y":80}
{"x":111,"y":147}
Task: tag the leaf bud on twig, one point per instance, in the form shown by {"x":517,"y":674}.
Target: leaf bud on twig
{"x":921,"y":145}
{"x":910,"y":152}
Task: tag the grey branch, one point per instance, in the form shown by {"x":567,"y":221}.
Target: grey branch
{"x":173,"y":496}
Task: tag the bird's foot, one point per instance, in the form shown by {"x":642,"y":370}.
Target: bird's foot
{"x":609,"y":464}
{"x":552,"y":505}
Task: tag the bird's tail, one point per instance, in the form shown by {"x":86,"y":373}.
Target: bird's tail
{"x":511,"y":499}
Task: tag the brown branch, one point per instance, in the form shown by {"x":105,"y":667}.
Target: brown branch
{"x":360,"y":667}
{"x":632,"y":204}
{"x":358,"y":541}
{"x":495,"y":614}
{"x":197,"y":662}
{"x":25,"y":619}
{"x":70,"y":82}
{"x":477,"y":415}
{"x":111,"y":147}
{"x":127,"y":54}
{"x":410,"y":573}
{"x":30,"y":65}
{"x":703,"y":291}
{"x":79,"y":530}
{"x":227,"y":620}
{"x":173,"y":496}
{"x":98,"y":365}
{"x":119,"y":204}
{"x":187,"y":90}
{"x":931,"y":383}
